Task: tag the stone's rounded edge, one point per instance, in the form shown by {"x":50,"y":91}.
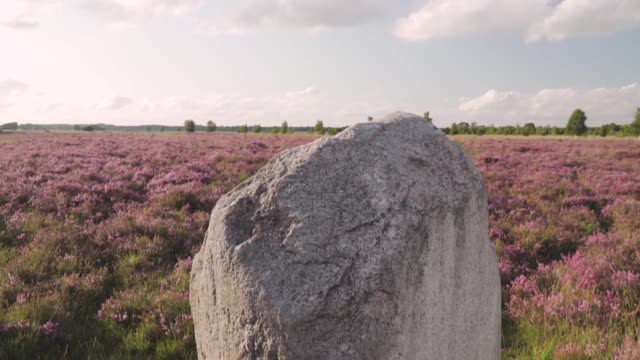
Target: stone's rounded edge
{"x":399,"y":116}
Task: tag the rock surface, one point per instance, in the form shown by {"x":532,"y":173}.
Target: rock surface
{"x":369,"y":245}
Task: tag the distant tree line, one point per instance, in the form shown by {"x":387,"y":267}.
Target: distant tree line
{"x":88,"y":128}
{"x":576,"y":125}
{"x":13,"y":126}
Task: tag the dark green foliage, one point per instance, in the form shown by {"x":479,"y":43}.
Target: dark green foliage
{"x":92,"y":128}
{"x":257,"y":129}
{"x":543,"y":130}
{"x":577,"y":124}
{"x":275,"y":130}
{"x":243,"y":129}
{"x":319,"y":127}
{"x":189,"y":126}
{"x":211,"y":126}
{"x":635,"y":125}
{"x":528,"y":129}
{"x":428,"y":118}
{"x":9,"y":126}
{"x":285,"y":127}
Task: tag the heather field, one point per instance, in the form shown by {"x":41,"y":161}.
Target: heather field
{"x":97,"y":232}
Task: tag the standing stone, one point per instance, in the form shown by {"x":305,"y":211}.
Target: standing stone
{"x":369,"y":245}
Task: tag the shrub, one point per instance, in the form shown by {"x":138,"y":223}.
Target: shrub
{"x":577,"y":123}
{"x":319,"y":128}
{"x":189,"y":126}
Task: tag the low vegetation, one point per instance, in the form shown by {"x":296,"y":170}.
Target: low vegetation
{"x":565,"y":219}
{"x":97,"y":233}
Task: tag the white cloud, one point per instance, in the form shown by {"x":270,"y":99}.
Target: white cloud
{"x":17,"y":98}
{"x":538,"y":19}
{"x":233,"y":109}
{"x":9,"y":90}
{"x":21,"y":14}
{"x":133,"y":11}
{"x":28,"y":105}
{"x":9,"y":85}
{"x":445,"y":18}
{"x":115,"y":103}
{"x":360,"y":111}
{"x":587,"y":17}
{"x":24,"y":14}
{"x":295,"y":14}
{"x":309,"y":13}
{"x":552,"y":106}
{"x":207,"y":28}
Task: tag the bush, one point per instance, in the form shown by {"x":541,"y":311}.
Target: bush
{"x":319,"y":127}
{"x":635,"y":125}
{"x":189,"y":126}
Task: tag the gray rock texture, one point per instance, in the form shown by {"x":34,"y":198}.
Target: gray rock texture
{"x":369,"y":245}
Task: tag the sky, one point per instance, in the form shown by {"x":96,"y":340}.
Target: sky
{"x":134,"y":62}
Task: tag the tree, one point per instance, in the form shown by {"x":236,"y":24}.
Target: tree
{"x":211,"y":126}
{"x":577,"y":123}
{"x":189,"y":126}
{"x":464,"y":128}
{"x":544,"y":131}
{"x":428,"y":118}
{"x":243,"y":129}
{"x":528,"y":129}
{"x":455,"y":130}
{"x":332,"y":131}
{"x":257,"y":129}
{"x":92,"y":128}
{"x":603,"y":131}
{"x":319,"y":128}
{"x":285,"y":127}
{"x":635,"y":125}
{"x":612,"y":128}
{"x":9,"y":126}
{"x":275,"y":130}
{"x":370,"y":119}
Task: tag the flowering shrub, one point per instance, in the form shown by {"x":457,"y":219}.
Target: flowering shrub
{"x":97,"y":233}
{"x":565,"y":220}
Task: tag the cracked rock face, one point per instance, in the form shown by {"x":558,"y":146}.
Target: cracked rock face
{"x":369,"y":245}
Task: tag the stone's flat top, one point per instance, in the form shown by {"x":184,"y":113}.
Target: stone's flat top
{"x":368,"y":245}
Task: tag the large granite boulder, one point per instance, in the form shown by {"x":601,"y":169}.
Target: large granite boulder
{"x":369,"y":245}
